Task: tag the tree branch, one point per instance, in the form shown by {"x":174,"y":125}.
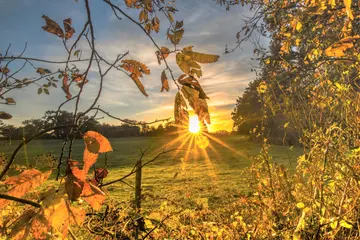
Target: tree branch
{"x":8,"y":197}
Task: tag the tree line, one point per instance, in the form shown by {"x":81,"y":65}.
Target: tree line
{"x":52,"y":118}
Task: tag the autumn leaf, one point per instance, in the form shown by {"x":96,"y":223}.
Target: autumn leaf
{"x":10,"y":101}
{"x":161,"y":55}
{"x":198,"y":104}
{"x":192,"y":96}
{"x":93,"y":196}
{"x":136,"y":69}
{"x":4,"y":70}
{"x":347,"y":4}
{"x":5,"y":115}
{"x":43,"y":71}
{"x":338,"y":50}
{"x":52,"y":27}
{"x":156,"y":24}
{"x":164,"y":82}
{"x":23,"y":183}
{"x":186,"y":64}
{"x":201,"y":57}
{"x":177,"y":34}
{"x":65,"y":87}
{"x":69,"y":31}
{"x":21,"y":228}
{"x":180,"y":113}
{"x":203,"y":111}
{"x":191,"y":81}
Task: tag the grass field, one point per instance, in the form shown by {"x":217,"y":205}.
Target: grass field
{"x":215,"y":174}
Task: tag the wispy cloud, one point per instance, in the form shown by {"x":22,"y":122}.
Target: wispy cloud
{"x":208,"y":27}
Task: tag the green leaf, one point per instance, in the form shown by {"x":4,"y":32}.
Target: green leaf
{"x":76,"y":53}
{"x":40,"y":90}
{"x":46,"y":91}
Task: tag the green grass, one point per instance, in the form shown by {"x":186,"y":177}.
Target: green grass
{"x":218,"y":177}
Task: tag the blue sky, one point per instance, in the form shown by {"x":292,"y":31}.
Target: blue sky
{"x":208,"y":27}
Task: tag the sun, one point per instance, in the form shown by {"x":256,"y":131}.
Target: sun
{"x":194,"y":124}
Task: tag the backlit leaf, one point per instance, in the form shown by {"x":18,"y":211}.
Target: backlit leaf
{"x":164,"y":82}
{"x":348,"y":9}
{"x":338,"y":50}
{"x":52,"y":27}
{"x":180,"y":113}
{"x":202,"y":57}
{"x":93,"y":196}
{"x":23,"y":183}
{"x":136,"y":69}
{"x":104,"y":144}
{"x":192,"y":96}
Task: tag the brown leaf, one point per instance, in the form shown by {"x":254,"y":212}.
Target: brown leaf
{"x":203,"y":111}
{"x":52,"y":27}
{"x":156,"y":24}
{"x":74,"y":182}
{"x":69,"y":31}
{"x":136,"y":69}
{"x":180,"y":113}
{"x":65,"y":87}
{"x":23,"y":183}
{"x":5,"y":116}
{"x":191,"y":81}
{"x":164,"y":82}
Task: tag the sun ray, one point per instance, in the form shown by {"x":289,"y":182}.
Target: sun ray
{"x":209,"y":164}
{"x":226,"y":146}
{"x":181,"y":145}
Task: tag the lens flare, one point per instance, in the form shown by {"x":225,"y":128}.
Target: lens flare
{"x":194,"y":124}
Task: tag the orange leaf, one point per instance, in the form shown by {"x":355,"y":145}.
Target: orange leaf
{"x":93,"y":196}
{"x":65,"y":86}
{"x":338,"y":50}
{"x":104,"y":144}
{"x":74,"y":182}
{"x":23,"y":183}
{"x":69,"y":31}
{"x":21,"y":228}
{"x":89,"y":159}
{"x":164,"y":82}
{"x":52,"y":27}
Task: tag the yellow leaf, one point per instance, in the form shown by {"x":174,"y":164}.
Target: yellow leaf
{"x":202,"y":57}
{"x":345,"y":224}
{"x":334,"y":224}
{"x":348,"y":9}
{"x":298,"y":26}
{"x":300,"y":205}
